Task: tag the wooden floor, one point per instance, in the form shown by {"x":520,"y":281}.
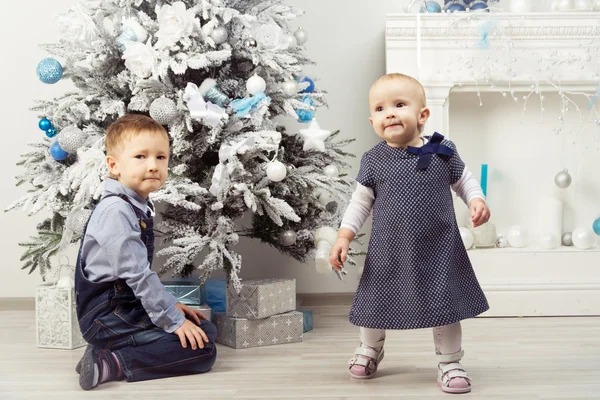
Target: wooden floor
{"x":510,"y":358}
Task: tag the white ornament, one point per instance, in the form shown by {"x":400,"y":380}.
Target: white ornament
{"x":549,"y":241}
{"x":256,"y":85}
{"x":583,"y":238}
{"x":141,"y":34}
{"x":520,"y":6}
{"x":65,"y":282}
{"x":175,"y":22}
{"x":290,"y":87}
{"x":596,"y":5}
{"x":323,"y":195}
{"x":71,"y":139}
{"x":331,"y":170}
{"x":325,"y":237}
{"x":554,"y":6}
{"x":219,"y":35}
{"x":211,"y":114}
{"x":314,"y":137}
{"x":517,"y":236}
{"x":276,"y":171}
{"x":466,"y":236}
{"x":140,"y":59}
{"x":290,"y":41}
{"x":301,"y":36}
{"x":564,"y":5}
{"x":583,"y":5}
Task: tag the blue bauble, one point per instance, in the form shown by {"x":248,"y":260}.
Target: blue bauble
{"x":311,"y":84}
{"x":306,"y":115}
{"x":57,"y":152}
{"x":45,"y":124}
{"x":478,"y":5}
{"x":51,"y":132}
{"x":596,"y":226}
{"x":454,"y":7}
{"x":431,"y":7}
{"x":49,"y":70}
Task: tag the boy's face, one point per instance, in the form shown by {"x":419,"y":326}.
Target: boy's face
{"x":397,"y":112}
{"x":142,"y":162}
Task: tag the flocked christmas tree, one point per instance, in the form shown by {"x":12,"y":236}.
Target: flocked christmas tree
{"x":215,"y":73}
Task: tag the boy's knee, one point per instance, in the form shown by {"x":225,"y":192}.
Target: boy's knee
{"x":210,"y":329}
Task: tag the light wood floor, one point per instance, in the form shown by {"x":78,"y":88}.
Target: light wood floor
{"x":510,"y":358}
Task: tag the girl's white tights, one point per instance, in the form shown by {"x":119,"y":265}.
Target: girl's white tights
{"x":447,"y":338}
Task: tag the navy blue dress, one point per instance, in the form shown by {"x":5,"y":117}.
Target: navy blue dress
{"x":417,"y":273}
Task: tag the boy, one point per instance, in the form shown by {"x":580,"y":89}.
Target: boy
{"x":136,"y":330}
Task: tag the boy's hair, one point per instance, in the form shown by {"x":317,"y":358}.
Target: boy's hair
{"x":128,"y":126}
{"x":406,"y":78}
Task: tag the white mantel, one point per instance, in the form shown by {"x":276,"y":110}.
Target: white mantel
{"x":546,"y":53}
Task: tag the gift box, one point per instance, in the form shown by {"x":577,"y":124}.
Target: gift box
{"x":260,"y":299}
{"x":241,"y":333}
{"x":206,"y":310}
{"x":187,"y":292}
{"x":307,"y":320}
{"x":56,"y":324}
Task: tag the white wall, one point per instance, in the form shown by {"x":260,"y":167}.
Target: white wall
{"x":346,"y":41}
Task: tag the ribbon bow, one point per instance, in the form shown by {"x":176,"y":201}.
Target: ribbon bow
{"x":426,"y":152}
{"x":225,"y":154}
{"x":242,"y":107}
{"x":200,"y":109}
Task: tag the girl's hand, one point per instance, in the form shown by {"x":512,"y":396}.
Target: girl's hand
{"x":339,"y":253}
{"x":480,"y":213}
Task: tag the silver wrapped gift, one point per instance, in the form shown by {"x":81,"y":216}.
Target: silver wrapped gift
{"x":241,"y":333}
{"x":260,"y":299}
{"x":186,"y":292}
{"x":56,"y":317}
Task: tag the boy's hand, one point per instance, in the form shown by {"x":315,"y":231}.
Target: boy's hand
{"x":480,"y":213}
{"x":339,"y":253}
{"x":190,"y":313}
{"x":193,"y":333}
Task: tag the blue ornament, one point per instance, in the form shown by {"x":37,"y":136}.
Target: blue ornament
{"x":311,"y":84}
{"x":57,"y":152}
{"x":430,"y":7}
{"x":596,"y":226}
{"x":455,"y":6}
{"x":306,"y":115}
{"x":49,"y":70}
{"x":51,"y":132}
{"x":127,"y":36}
{"x":479,"y":5}
{"x":45,"y":124}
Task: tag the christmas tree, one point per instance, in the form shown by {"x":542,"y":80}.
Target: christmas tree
{"x":216,"y":73}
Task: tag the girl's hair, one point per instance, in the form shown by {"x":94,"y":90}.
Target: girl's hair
{"x":405,"y":78}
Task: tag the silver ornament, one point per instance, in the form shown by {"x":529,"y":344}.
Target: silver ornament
{"x":76,"y":220}
{"x":567,"y":239}
{"x":501,"y":241}
{"x":301,"y":36}
{"x":71,"y":138}
{"x":563,"y":179}
{"x":331,"y":170}
{"x":290,"y":88}
{"x":250,"y":44}
{"x":287,"y":238}
{"x":290,"y":41}
{"x":163,"y":110}
{"x":219,"y":35}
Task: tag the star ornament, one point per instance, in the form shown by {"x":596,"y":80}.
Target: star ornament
{"x":314,"y":137}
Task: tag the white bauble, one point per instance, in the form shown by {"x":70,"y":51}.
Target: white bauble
{"x":290,"y":41}
{"x":256,"y":85}
{"x":219,"y":35}
{"x":520,"y":6}
{"x":466,"y":236}
{"x":596,"y":5}
{"x":331,"y":170}
{"x":583,"y":5}
{"x":517,"y":236}
{"x":583,"y":238}
{"x":276,"y":171}
{"x":141,"y":34}
{"x":549,"y":241}
{"x":564,"y":5}
{"x":290,"y":87}
{"x":301,"y":36}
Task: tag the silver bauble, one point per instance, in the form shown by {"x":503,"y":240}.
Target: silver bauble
{"x":163,"y":110}
{"x":563,"y":179}
{"x":76,"y":220}
{"x":219,"y":35}
{"x":250,"y":44}
{"x":287,"y":238}
{"x":501,"y":242}
{"x":71,"y":138}
{"x":567,"y":239}
{"x":301,"y":36}
{"x":331,"y":170}
{"x":290,"y":88}
{"x":290,"y":41}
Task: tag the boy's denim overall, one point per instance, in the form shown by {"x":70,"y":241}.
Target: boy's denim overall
{"x":112,"y":318}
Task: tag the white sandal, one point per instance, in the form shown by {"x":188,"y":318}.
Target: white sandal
{"x":450,"y":368}
{"x":367,"y":357}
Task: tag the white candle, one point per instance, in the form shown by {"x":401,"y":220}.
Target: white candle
{"x":551,"y":216}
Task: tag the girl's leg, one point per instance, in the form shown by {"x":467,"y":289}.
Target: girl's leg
{"x":448,"y":341}
{"x":366,"y":358}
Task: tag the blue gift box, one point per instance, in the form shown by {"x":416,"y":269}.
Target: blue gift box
{"x":187,"y":292}
{"x":307,"y":320}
